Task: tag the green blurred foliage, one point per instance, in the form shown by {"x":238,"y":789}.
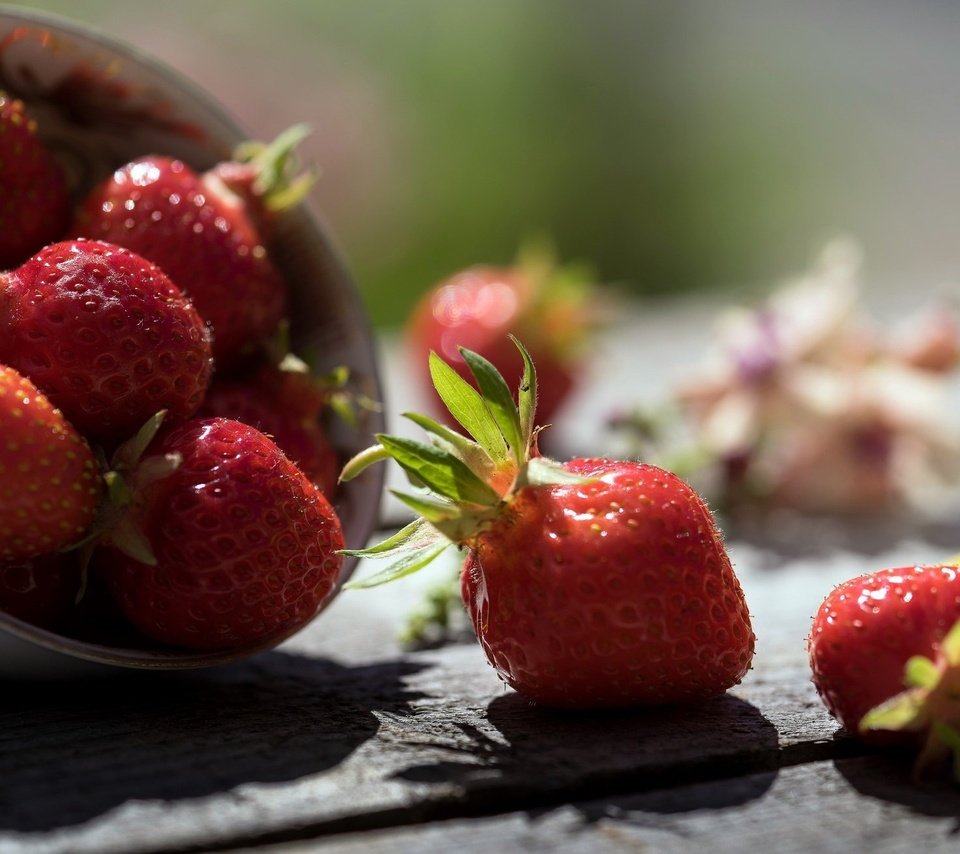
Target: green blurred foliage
{"x":671,"y":145}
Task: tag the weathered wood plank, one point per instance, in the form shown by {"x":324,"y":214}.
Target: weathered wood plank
{"x":858,"y":804}
{"x":341,"y":729}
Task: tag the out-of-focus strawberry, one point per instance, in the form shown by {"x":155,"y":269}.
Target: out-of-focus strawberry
{"x":105,"y":335}
{"x":207,"y":232}
{"x":49,"y":482}
{"x":34,"y":201}
{"x":550,"y":308}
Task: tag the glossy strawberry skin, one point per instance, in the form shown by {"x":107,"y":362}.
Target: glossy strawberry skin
{"x":202,"y":236}
{"x":49,"y":481}
{"x":478,"y":308}
{"x":106,"y":336}
{"x":246,"y":546}
{"x":287,"y":408}
{"x":35,"y":203}
{"x":616,"y":592}
{"x":869,"y":627}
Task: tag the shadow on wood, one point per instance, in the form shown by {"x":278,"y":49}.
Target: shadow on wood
{"x":72,"y":752}
{"x":887,"y":776}
{"x":536,"y":755}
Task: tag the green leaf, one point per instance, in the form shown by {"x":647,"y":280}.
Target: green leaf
{"x":129,"y":453}
{"x":128,"y":538}
{"x":435,"y":512}
{"x":406,"y":565}
{"x":902,"y":712}
{"x":499,"y":400}
{"x":542,"y":471}
{"x":466,"y":405}
{"x":439,"y":470}
{"x":527,"y":396}
{"x":921,"y":672}
{"x":416,"y":535}
{"x":366,"y":458}
{"x":950,"y":645}
{"x":475,"y":457}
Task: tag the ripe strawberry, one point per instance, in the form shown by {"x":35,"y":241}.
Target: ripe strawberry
{"x":207,"y":233}
{"x":49,"y":482}
{"x":595,"y":583}
{"x":287,"y":404}
{"x":476,"y":308}
{"x":885,"y":653}
{"x":35,"y":203}
{"x":220,"y":542}
{"x":105,"y":335}
{"x":42,"y":590}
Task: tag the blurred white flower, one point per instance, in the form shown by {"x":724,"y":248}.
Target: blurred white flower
{"x":806,"y":403}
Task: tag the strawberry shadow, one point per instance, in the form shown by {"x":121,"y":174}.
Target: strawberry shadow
{"x":522,"y":757}
{"x":76,"y":751}
{"x":887,"y":776}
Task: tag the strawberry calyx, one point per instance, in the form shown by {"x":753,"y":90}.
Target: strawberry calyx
{"x":266,"y":175}
{"x":468,"y":479}
{"x":560,"y":299}
{"x":930,"y":706}
{"x":129,"y":472}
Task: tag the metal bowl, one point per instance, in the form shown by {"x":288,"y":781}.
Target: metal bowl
{"x":99,"y":103}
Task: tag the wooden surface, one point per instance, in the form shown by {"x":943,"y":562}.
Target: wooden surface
{"x":341,"y":740}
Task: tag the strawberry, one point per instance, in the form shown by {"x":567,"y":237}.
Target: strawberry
{"x":287,"y":404}
{"x":105,"y":335}
{"x":885,"y":654}
{"x":476,"y":308}
{"x":218,"y":541}
{"x":207,"y":233}
{"x":41,"y":590}
{"x":591,"y":584}
{"x":35,"y":203}
{"x":49,"y":481}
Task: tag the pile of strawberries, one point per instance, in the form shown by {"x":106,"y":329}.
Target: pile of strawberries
{"x":139,"y":355}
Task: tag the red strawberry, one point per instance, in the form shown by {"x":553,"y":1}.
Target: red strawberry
{"x":49,"y":482}
{"x":106,"y":336}
{"x":223,"y":543}
{"x":476,"y":308}
{"x":287,"y":405}
{"x":591,"y":584}
{"x":885,"y":654}
{"x":42,"y":590}
{"x":206,"y":232}
{"x":34,"y":204}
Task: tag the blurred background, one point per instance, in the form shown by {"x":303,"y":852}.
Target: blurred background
{"x":676,"y":146}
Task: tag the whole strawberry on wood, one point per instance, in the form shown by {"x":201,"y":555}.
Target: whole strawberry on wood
{"x":207,"y":232}
{"x":215,"y":539}
{"x":549,"y":307}
{"x":105,"y":335}
{"x":49,"y":481}
{"x":885,"y":654}
{"x":591,"y":584}
{"x":34,"y":201}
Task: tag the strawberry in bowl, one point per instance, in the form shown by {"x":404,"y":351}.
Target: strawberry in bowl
{"x":112,"y":354}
